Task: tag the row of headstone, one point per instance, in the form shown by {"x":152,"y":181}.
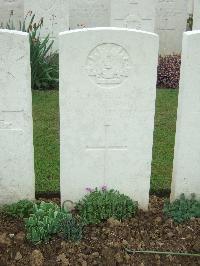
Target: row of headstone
{"x":107,"y":108}
{"x":167,"y":18}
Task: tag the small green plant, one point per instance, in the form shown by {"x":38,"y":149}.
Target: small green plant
{"x":72,"y":229}
{"x":21,"y":209}
{"x":46,"y":221}
{"x":182,"y":209}
{"x":103,"y":204}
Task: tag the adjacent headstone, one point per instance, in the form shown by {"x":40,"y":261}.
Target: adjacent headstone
{"x":55,"y":14}
{"x":171,"y":22}
{"x":11,"y":11}
{"x":89,"y":13}
{"x":107,"y":106}
{"x":196,"y":15}
{"x":190,"y":7}
{"x":16,"y":130}
{"x":135,"y":14}
{"x":186,"y":172}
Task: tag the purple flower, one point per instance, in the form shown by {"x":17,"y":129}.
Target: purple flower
{"x":104,"y":188}
{"x":88,"y":189}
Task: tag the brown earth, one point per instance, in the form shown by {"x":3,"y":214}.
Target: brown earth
{"x":105,"y":244}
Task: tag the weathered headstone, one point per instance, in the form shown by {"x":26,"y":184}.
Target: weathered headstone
{"x":55,"y":14}
{"x":135,"y":14}
{"x":107,"y":105}
{"x":11,"y":10}
{"x":196,"y":15}
{"x":171,"y":22}
{"x":16,"y":130}
{"x":89,"y":13}
{"x":186,"y":172}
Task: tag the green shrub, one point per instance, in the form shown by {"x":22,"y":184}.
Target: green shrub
{"x":72,"y":229}
{"x":21,"y":209}
{"x":182,"y":209}
{"x":46,"y":220}
{"x":44,"y":73}
{"x":103,"y":204}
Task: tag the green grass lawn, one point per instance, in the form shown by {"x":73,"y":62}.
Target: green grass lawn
{"x":164,"y":137}
{"x":46,"y":140}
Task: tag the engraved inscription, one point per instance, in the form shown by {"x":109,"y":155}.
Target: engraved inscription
{"x":5,"y":125}
{"x":11,"y":120}
{"x":132,"y":21}
{"x":108,"y":64}
{"x":87,"y":13}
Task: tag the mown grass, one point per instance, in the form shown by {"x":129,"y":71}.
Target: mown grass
{"x":164,"y":138}
{"x":46,"y":140}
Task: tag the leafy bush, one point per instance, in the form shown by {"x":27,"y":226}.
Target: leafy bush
{"x":101,"y":205}
{"x":72,"y":229}
{"x":44,"y":64}
{"x":44,"y":73}
{"x":182,"y":209}
{"x":169,"y":71}
{"x":46,"y":220}
{"x":21,"y":209}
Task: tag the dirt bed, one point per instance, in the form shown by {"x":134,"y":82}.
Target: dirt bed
{"x":105,"y":244}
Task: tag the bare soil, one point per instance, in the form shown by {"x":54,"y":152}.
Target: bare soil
{"x":105,"y":244}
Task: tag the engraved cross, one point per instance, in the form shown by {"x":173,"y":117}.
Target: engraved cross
{"x":106,"y":148}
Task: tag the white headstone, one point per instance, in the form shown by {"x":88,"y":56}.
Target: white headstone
{"x":171,"y":22}
{"x":55,"y":14}
{"x":16,"y":130}
{"x":89,"y":13}
{"x":186,"y":173}
{"x":196,"y":15}
{"x":11,"y":10}
{"x":107,"y":106}
{"x":135,"y":14}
